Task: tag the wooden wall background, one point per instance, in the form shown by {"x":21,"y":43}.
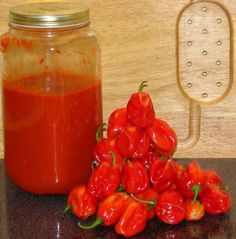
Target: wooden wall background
{"x":139,"y":43}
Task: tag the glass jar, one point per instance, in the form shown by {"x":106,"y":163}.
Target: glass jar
{"x":52,"y":103}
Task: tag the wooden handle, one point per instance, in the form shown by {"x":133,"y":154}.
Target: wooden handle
{"x":193,"y":128}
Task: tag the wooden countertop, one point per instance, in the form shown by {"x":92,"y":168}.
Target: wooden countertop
{"x":26,"y":216}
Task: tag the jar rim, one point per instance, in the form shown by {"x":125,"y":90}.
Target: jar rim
{"x":49,"y":15}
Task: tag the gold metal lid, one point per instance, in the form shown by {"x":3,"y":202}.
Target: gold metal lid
{"x":49,"y":15}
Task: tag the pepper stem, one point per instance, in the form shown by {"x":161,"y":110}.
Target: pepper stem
{"x":196,"y":189}
{"x":142,"y":85}
{"x":113,"y":158}
{"x":101,"y":128}
{"x":94,"y":224}
{"x":224,"y":187}
{"x":126,"y":159}
{"x":93,"y":164}
{"x":151,"y":203}
{"x":66,"y":209}
{"x":120,"y":188}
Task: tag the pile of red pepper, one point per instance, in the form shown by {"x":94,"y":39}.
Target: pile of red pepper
{"x":134,"y":177}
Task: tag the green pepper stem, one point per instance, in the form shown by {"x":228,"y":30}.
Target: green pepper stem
{"x":196,"y":189}
{"x":224,"y":187}
{"x":93,"y":164}
{"x":120,"y":188}
{"x":94,"y":224}
{"x":142,"y":85}
{"x":152,"y":203}
{"x":113,"y":158}
{"x":126,"y":159}
{"x":99,"y":131}
{"x":66,"y":209}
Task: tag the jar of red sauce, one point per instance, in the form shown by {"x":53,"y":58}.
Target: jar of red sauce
{"x":52,"y":103}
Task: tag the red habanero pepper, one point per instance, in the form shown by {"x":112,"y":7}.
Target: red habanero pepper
{"x":170,"y":207}
{"x":172,"y":187}
{"x":117,"y":122}
{"x":162,"y":174}
{"x":149,"y":158}
{"x":81,"y":203}
{"x":212,"y":177}
{"x":191,"y":181}
{"x":104,"y":179}
{"x":133,"y":142}
{"x":133,"y":219}
{"x":103,"y":147}
{"x":109,"y":211}
{"x":194,"y":210}
{"x":140,"y":110}
{"x":163,"y":137}
{"x":134,"y":177}
{"x":215,"y":200}
{"x":148,"y":197}
{"x":178,"y":167}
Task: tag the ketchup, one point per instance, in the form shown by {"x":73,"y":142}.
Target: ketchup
{"x":50,"y":121}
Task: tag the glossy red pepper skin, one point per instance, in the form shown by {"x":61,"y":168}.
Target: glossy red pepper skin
{"x":81,"y":203}
{"x":140,"y":110}
{"x":162,"y":174}
{"x":149,"y":158}
{"x":179,"y":168}
{"x":215,"y":200}
{"x":117,"y":122}
{"x":104,"y":180}
{"x":111,"y":209}
{"x":192,"y":176}
{"x":102,"y":151}
{"x":170,"y":207}
{"x":133,"y":142}
{"x":133,"y":220}
{"x":163,"y":137}
{"x":134,"y":177}
{"x":194,"y":210}
{"x":212,"y":177}
{"x":148,"y":195}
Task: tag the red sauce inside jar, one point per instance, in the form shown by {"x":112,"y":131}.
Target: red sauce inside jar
{"x":50,"y":121}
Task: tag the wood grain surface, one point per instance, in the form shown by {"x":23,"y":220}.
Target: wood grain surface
{"x":139,"y":42}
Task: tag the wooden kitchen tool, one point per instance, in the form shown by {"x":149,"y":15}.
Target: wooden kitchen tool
{"x":204,"y":59}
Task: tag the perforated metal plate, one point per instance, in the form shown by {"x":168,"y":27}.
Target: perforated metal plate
{"x":204,"y":52}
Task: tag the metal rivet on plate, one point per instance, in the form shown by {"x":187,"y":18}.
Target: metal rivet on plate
{"x":219,"y":21}
{"x":218,"y":62}
{"x":204,"y":53}
{"x":204,"y":31}
{"x":204,"y":9}
{"x":218,"y":84}
{"x":189,"y":85}
{"x":219,"y":43}
{"x":190,"y":21}
{"x":189,"y":63}
{"x":204,"y":73}
{"x":204,"y":95}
